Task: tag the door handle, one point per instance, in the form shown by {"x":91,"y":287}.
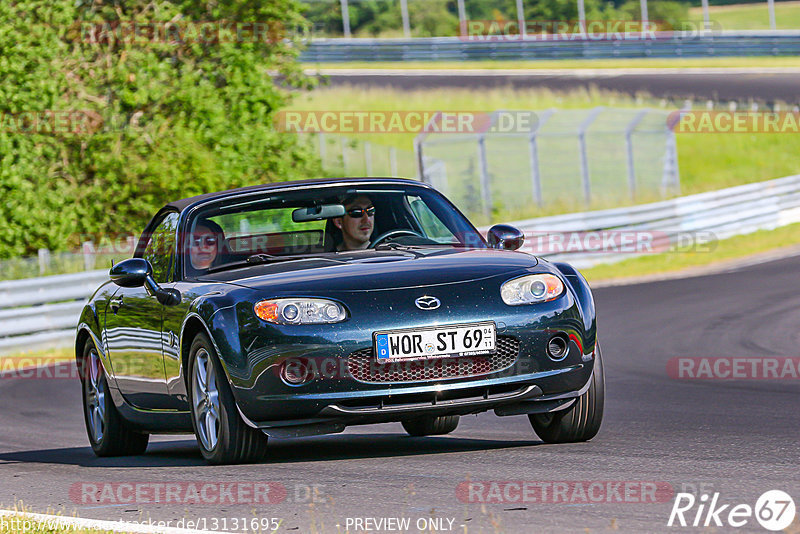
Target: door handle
{"x":115,"y":304}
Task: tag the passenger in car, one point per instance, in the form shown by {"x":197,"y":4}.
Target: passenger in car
{"x":204,"y":244}
{"x":357,"y":224}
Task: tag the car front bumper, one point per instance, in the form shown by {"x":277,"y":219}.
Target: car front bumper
{"x":340,"y":395}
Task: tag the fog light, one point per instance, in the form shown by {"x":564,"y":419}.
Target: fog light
{"x":557,"y":347}
{"x":295,"y":371}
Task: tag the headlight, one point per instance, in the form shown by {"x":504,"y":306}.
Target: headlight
{"x":531,"y":289}
{"x":300,"y":311}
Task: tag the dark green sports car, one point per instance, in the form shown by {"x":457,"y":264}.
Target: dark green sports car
{"x":299,"y":308}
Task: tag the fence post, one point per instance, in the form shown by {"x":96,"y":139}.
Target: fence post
{"x":393,"y":161}
{"x":322,"y":148}
{"x":536,"y":178}
{"x":629,"y":149}
{"x":44,"y":261}
{"x":462,"y":18}
{"x":771,"y":6}
{"x":344,"y":154}
{"x":420,"y":159}
{"x":88,"y":256}
{"x":406,"y":21}
{"x":587,"y":185}
{"x":419,"y":140}
{"x":486,"y":191}
{"x":582,"y":16}
{"x":706,"y":19}
{"x":523,"y":31}
{"x":345,"y":19}
{"x":670,"y":177}
{"x":368,"y":157}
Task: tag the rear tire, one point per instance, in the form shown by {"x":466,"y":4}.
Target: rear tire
{"x":582,"y":420}
{"x":431,"y":426}
{"x":109,"y":434}
{"x":222,"y":435}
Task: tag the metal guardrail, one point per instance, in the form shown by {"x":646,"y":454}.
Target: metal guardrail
{"x":687,"y":44}
{"x":37,"y":313}
{"x":713,"y":215}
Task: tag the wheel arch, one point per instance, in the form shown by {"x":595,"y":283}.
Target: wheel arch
{"x":89,"y":330}
{"x":194,"y":324}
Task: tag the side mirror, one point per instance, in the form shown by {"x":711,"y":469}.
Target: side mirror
{"x":505,"y":237}
{"x":131,"y":272}
{"x":137,"y":272}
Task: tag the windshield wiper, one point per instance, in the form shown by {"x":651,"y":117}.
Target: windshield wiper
{"x":413,"y":249}
{"x":259,"y":259}
{"x":267,"y":258}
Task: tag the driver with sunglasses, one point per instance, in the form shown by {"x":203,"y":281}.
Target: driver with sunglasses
{"x":357,"y":224}
{"x":204,"y":244}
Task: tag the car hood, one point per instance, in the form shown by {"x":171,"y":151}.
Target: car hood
{"x":378,"y":270}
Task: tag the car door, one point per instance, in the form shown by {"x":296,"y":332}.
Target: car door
{"x":133,"y":326}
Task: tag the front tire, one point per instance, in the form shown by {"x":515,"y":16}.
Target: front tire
{"x":109,"y":434}
{"x":431,"y":426}
{"x":582,"y":420}
{"x":222,"y":435}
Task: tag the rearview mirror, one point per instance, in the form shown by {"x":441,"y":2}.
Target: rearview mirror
{"x":505,"y":237}
{"x":318,"y":213}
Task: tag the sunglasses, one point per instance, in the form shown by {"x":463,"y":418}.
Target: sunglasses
{"x":206,"y":240}
{"x":357,"y":213}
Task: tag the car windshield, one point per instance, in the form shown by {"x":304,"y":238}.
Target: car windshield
{"x":282,"y":226}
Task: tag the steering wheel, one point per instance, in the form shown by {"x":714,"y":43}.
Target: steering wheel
{"x":392,"y":233}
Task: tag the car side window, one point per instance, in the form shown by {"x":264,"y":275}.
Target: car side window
{"x":160,"y":248}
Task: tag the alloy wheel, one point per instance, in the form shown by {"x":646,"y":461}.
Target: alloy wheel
{"x":205,"y":397}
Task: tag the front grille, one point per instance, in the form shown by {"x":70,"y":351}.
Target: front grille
{"x":364,"y":368}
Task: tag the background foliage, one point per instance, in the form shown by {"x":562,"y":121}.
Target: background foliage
{"x":173,"y":119}
{"x":434,"y":18}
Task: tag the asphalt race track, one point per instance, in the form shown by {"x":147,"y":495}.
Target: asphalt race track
{"x":700,"y":84}
{"x":739,"y":438}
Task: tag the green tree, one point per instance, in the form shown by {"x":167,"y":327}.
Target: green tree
{"x":177,"y":118}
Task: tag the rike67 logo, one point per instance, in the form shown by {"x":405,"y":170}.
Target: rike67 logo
{"x":774,"y":510}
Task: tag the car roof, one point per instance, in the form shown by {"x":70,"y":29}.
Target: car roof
{"x":185,"y":203}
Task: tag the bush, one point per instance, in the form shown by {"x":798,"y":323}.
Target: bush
{"x":167,"y":119}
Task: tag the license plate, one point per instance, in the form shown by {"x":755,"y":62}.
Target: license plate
{"x":435,"y":342}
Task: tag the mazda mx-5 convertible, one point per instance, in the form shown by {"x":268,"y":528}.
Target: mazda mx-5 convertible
{"x":300,"y":308}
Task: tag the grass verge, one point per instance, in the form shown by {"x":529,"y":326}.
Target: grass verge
{"x":21,"y":525}
{"x":750,"y":16}
{"x":734,"y":248}
{"x":23,"y":522}
{"x":627,"y":63}
{"x":22,"y":360}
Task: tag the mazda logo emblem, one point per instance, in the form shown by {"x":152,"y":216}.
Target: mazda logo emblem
{"x":427,"y":303}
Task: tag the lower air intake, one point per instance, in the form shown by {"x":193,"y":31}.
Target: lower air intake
{"x":364,"y":368}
